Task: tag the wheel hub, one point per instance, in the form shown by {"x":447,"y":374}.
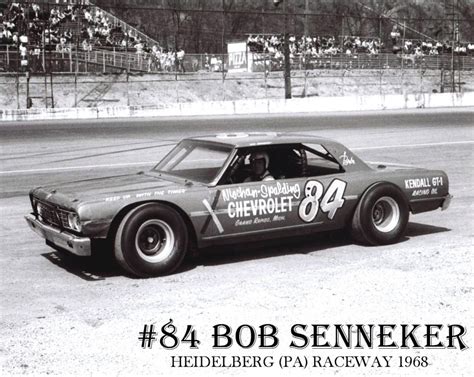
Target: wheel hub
{"x":379,"y":213}
{"x":385,"y":214}
{"x":154,"y":240}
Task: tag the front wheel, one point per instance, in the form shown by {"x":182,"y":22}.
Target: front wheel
{"x":381,"y":216}
{"x":151,"y":240}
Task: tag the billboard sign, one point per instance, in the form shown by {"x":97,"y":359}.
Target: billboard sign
{"x":237,"y":56}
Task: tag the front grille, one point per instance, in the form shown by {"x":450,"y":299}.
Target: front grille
{"x":52,"y":215}
{"x":63,"y":217}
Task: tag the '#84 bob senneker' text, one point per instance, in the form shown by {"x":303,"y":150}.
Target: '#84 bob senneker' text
{"x":316,"y":336}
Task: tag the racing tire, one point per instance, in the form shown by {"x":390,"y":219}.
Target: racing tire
{"x":381,"y":216}
{"x":151,"y":240}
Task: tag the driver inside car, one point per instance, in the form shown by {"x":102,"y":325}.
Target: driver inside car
{"x":259,"y":162}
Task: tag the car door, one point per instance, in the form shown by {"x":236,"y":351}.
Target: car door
{"x":328,"y":193}
{"x":313,"y":199}
{"x":252,"y":207}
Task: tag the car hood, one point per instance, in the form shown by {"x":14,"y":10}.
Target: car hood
{"x":70,"y":194}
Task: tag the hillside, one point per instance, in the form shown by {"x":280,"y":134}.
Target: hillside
{"x":160,"y":90}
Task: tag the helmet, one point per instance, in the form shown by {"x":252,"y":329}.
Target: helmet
{"x":260,"y":156}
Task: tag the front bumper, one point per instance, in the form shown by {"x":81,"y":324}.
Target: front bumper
{"x":77,"y":245}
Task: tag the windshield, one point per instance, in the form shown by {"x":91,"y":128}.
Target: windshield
{"x":196,"y":161}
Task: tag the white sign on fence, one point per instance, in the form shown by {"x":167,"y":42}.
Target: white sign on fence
{"x":237,"y":56}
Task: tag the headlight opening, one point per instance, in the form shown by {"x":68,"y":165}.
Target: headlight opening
{"x":74,"y":222}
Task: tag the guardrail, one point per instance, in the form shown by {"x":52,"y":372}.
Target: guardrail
{"x":269,"y":106}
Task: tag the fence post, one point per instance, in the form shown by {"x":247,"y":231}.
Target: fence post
{"x":265,"y":75}
{"x":17,"y":91}
{"x":51,"y":84}
{"x":381,"y":72}
{"x":305,"y":75}
{"x":27,"y":90}
{"x":128,"y":89}
{"x":223,"y":83}
{"x":342,"y":86}
{"x":103,"y":61}
{"x":177,"y":89}
{"x":421,"y":80}
{"x":75,"y":88}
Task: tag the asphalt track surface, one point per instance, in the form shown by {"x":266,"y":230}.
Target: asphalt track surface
{"x":70,"y":316}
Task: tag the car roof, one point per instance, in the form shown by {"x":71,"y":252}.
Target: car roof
{"x":251,"y":139}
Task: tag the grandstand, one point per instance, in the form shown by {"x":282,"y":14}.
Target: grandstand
{"x":79,"y":36}
{"x":40,"y":36}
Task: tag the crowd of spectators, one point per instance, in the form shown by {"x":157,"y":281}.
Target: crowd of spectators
{"x":32,"y":29}
{"x":23,"y":23}
{"x":429,"y":48}
{"x":99,"y":32}
{"x":420,"y":48}
{"x":313,"y":46}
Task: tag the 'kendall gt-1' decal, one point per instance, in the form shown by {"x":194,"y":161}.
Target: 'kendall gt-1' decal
{"x":424,"y":185}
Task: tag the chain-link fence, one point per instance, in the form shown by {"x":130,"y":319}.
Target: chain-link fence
{"x":116,"y":61}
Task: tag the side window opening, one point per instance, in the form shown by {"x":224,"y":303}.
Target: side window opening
{"x":309,"y":160}
{"x":285,"y":162}
{"x":320,"y":161}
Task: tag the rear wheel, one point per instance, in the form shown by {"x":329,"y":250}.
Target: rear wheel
{"x":381,"y":216}
{"x":151,"y":240}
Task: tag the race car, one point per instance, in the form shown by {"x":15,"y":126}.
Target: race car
{"x":229,"y":188}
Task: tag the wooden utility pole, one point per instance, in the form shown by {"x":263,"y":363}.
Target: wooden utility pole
{"x":453,"y":80}
{"x":286,"y":48}
{"x":306,"y":18}
{"x":286,"y":54}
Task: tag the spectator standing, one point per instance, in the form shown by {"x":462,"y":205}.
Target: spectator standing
{"x":23,"y":56}
{"x":139,"y":51}
{"x":36,"y":59}
{"x":180,"y":60}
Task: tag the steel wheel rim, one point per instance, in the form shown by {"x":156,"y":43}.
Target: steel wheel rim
{"x":385,"y":214}
{"x":154,"y":241}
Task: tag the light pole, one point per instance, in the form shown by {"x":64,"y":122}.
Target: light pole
{"x":286,"y":49}
{"x":453,"y":44}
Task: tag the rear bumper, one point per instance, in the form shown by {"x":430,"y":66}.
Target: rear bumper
{"x":430,"y":204}
{"x":446,"y":202}
{"x":77,"y":245}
